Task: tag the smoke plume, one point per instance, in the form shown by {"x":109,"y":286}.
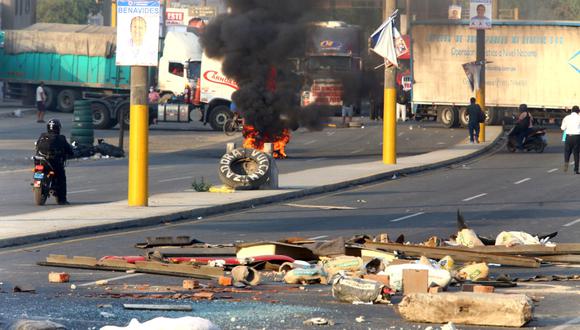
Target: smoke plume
{"x":255,"y":41}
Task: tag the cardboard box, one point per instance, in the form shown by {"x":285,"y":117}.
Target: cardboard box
{"x":415,"y":281}
{"x":384,"y":279}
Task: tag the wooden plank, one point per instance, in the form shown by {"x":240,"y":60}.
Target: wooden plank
{"x":181,"y":269}
{"x":562,"y":258}
{"x":274,"y":248}
{"x":491,"y":309}
{"x":460,"y":255}
{"x":524,"y":250}
{"x":76,"y":260}
{"x":151,"y":307}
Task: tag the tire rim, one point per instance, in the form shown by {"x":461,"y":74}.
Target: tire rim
{"x":446,"y":116}
{"x":221,"y":118}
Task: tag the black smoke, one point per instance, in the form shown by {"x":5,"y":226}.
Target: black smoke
{"x":256,"y":37}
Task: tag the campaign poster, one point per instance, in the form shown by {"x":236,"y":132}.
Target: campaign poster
{"x":138,"y":33}
{"x":480,"y":14}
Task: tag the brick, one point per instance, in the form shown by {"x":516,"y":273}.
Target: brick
{"x":203,"y":295}
{"x":58,"y":277}
{"x":483,"y":289}
{"x":467,"y":287}
{"x":383,"y":279}
{"x":225,"y":281}
{"x":435,"y":289}
{"x":190,"y":284}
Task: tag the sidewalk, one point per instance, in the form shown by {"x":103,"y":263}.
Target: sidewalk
{"x":86,"y":219}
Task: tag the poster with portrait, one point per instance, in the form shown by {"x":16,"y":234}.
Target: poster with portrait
{"x":480,"y":14}
{"x":138,"y":32}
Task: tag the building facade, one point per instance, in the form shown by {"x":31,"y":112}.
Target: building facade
{"x":17,"y":14}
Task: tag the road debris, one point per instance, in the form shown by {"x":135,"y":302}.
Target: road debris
{"x":58,"y":277}
{"x":163,"y":323}
{"x":318,"y":321}
{"x":150,"y":307}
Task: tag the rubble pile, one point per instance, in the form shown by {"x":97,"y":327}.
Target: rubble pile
{"x":456,"y":280}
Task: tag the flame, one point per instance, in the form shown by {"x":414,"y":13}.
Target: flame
{"x":254,"y":140}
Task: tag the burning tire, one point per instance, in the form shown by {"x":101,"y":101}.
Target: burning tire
{"x":244,"y":169}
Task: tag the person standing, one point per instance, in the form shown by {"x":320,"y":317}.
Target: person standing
{"x":347,"y":110}
{"x":475,"y":114}
{"x":401,"y":104}
{"x":571,"y":125}
{"x":40,"y":103}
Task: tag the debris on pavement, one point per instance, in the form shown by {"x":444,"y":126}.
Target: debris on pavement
{"x":35,"y":324}
{"x":24,"y":288}
{"x":163,"y":323}
{"x":151,"y":307}
{"x":318,"y":321}
{"x":54,"y":277}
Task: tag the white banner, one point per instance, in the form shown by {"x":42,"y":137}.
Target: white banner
{"x":137,"y":33}
{"x":480,"y":13}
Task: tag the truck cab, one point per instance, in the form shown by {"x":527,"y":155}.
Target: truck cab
{"x":180,"y":64}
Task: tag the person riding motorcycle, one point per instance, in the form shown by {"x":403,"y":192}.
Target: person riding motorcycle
{"x":54,"y":147}
{"x":523,"y":125}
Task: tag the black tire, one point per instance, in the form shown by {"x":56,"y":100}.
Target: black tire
{"x":82,"y":118}
{"x":101,"y":116}
{"x":65,"y":100}
{"x":125,"y":111}
{"x":540,"y":148}
{"x":230,"y":127}
{"x":51,"y":93}
{"x":463,"y":117}
{"x":218,"y":117}
{"x":244,"y":169}
{"x":492,"y":116}
{"x":39,"y":196}
{"x":82,"y":132}
{"x":82,"y":125}
{"x":449,"y":116}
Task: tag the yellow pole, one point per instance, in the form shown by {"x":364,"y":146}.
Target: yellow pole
{"x":138,"y":138}
{"x":480,"y":93}
{"x":480,"y":99}
{"x":389,"y":111}
{"x":114,"y":13}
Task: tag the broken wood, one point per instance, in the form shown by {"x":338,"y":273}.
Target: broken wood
{"x":458,"y":254}
{"x":150,"y":267}
{"x":524,"y":250}
{"x":491,"y":309}
{"x":151,"y":307}
{"x":562,"y":258}
{"x":274,"y":248}
{"x":163,"y":253}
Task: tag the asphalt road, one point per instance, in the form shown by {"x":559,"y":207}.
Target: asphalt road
{"x":499,"y":191}
{"x":180,"y":153}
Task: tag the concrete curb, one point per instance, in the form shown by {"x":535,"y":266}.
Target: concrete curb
{"x":236,"y":206}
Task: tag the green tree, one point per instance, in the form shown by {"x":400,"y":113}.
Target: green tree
{"x":65,"y":11}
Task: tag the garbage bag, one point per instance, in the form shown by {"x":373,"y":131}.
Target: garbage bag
{"x":82,"y":150}
{"x":107,"y":149}
{"x":513,"y":238}
{"x":474,"y":272}
{"x":351,"y":289}
{"x":344,"y":263}
{"x":467,"y":237}
{"x":303,"y":275}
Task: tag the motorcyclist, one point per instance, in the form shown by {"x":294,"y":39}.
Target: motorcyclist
{"x":54,"y":147}
{"x":523,"y":125}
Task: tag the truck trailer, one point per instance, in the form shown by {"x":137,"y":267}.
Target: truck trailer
{"x":537,"y":63}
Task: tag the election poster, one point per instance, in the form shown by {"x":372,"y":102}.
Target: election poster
{"x":138,"y":33}
{"x":480,"y":14}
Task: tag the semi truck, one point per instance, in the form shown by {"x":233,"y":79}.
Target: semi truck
{"x":537,"y":63}
{"x":78,"y":62}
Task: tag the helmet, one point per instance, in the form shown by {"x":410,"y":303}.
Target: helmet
{"x":53,"y":126}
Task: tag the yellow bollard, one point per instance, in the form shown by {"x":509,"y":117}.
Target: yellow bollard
{"x":480,"y":99}
{"x":138,"y":155}
{"x":390,"y":127}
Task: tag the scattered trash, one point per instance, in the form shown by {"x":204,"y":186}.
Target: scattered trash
{"x":107,"y":149}
{"x":360,"y":319}
{"x":303,"y":275}
{"x":474,"y":272}
{"x":246,"y":275}
{"x":24,"y":288}
{"x":58,"y":277}
{"x":107,"y":315}
{"x":318,"y":321}
{"x":30,"y":324}
{"x":350,"y":289}
{"x":163,"y":323}
{"x":449,"y":326}
{"x":150,"y":307}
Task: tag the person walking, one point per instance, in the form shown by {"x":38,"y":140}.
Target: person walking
{"x":475,"y":117}
{"x":571,"y":125}
{"x":40,"y":103}
{"x":347,"y":111}
{"x":401,"y":104}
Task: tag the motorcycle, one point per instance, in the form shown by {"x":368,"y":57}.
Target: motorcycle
{"x":43,"y":180}
{"x":535,"y":140}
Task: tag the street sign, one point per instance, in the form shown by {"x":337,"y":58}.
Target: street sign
{"x":137,"y":32}
{"x":480,"y":13}
{"x":202,"y":12}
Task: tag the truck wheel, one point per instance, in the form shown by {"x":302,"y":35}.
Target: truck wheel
{"x":218,"y":117}
{"x":449,"y":117}
{"x":65,"y":101}
{"x":123,"y":115}
{"x":101,"y":116}
{"x":492,"y":116}
{"x":50,"y":97}
{"x":244,"y":169}
{"x":463,"y":117}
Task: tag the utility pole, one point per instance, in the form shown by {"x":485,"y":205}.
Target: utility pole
{"x":480,"y":93}
{"x":390,"y":94}
{"x":138,"y":138}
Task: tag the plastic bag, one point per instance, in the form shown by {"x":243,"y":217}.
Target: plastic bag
{"x":513,"y":238}
{"x":437,"y":277}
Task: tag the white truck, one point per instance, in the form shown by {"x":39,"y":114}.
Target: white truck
{"x":537,"y":63}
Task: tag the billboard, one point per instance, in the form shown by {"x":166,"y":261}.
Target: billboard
{"x":480,"y":14}
{"x":529,"y":64}
{"x":138,"y":33}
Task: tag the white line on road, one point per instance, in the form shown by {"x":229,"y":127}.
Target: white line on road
{"x":309,"y":142}
{"x":17,"y":171}
{"x":322,"y":207}
{"x":318,"y":237}
{"x":552,"y":170}
{"x":112,"y":279}
{"x":331,"y":133}
{"x":568,"y":324}
{"x":357,"y":151}
{"x":175,"y":179}
{"x":522,"y":180}
{"x":474,"y":197}
{"x":569,"y":224}
{"x":81,"y":191}
{"x":408,"y":216}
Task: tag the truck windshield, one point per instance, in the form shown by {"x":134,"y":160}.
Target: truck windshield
{"x":329,"y":63}
{"x":193,"y":70}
